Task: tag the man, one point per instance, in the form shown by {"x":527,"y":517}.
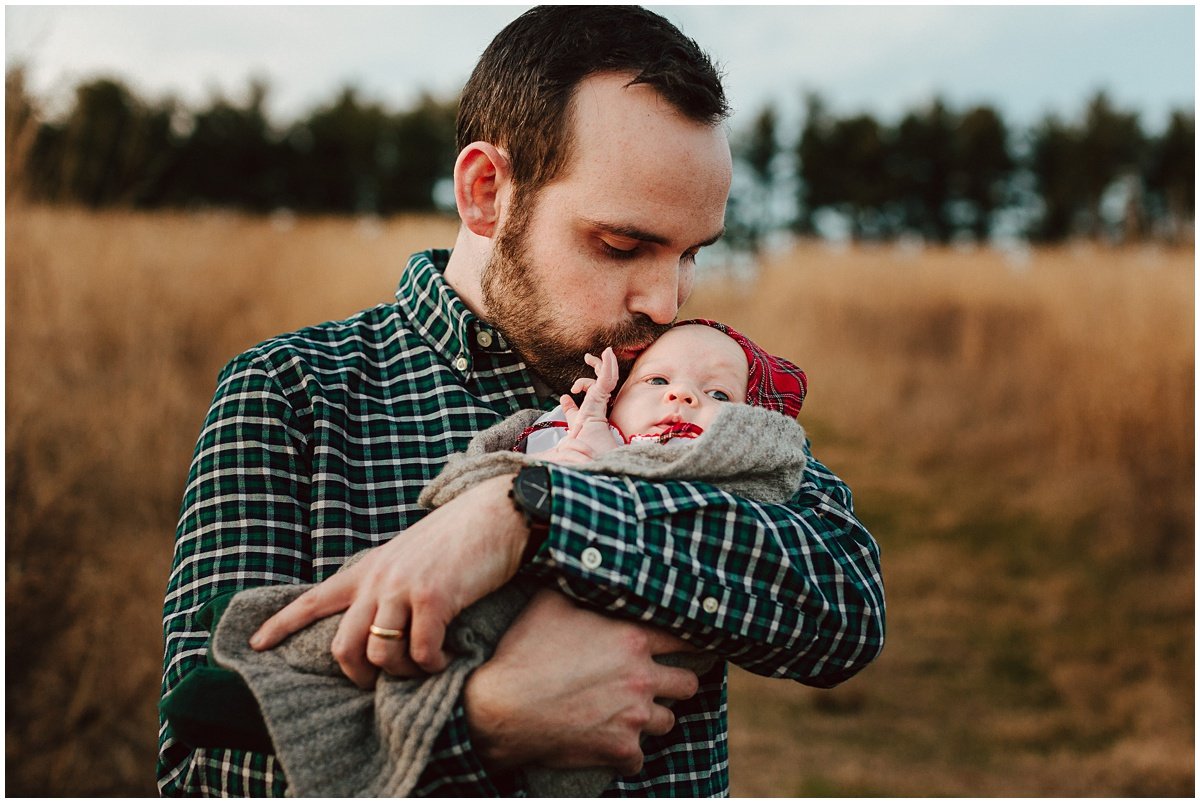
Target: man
{"x":592,"y":169}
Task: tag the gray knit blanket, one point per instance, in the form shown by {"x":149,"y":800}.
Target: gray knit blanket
{"x":748,"y":451}
{"x":336,"y":740}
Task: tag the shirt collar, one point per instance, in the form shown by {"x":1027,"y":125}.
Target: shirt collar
{"x":439,"y":316}
{"x":434,"y":310}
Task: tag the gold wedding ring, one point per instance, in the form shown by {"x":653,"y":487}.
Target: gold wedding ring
{"x":386,"y":632}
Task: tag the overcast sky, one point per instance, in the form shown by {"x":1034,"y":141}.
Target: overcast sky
{"x":1026,"y":60}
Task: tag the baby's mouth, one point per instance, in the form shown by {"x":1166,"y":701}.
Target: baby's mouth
{"x":670,"y":421}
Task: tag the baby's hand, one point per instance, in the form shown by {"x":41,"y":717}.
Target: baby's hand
{"x":599,"y":390}
{"x":588,"y":435}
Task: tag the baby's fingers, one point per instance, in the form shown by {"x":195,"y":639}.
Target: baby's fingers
{"x":608,"y":370}
{"x":594,"y":406}
{"x":582,"y":384}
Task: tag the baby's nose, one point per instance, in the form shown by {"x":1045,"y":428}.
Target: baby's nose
{"x":681,"y":395}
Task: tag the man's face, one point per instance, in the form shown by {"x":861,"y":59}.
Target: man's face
{"x":686,"y":376}
{"x":604,"y":254}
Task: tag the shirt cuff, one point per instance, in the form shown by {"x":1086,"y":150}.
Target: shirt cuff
{"x":455,"y":769}
{"x":609,"y":546}
{"x":586,"y":511}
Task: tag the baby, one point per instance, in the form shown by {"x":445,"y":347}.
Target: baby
{"x":674,"y":391}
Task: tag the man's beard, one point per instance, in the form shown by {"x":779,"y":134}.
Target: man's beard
{"x":519,"y":306}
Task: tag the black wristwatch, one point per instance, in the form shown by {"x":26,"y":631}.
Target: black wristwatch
{"x":531,"y":494}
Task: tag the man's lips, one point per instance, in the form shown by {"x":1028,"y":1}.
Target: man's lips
{"x":630,"y":354}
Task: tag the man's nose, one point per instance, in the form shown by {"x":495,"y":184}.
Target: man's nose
{"x":655,"y":293}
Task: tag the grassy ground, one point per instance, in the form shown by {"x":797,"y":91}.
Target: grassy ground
{"x":1018,"y":432}
{"x":1019,"y":436}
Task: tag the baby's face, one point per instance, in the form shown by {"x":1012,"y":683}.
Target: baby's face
{"x":685,"y":375}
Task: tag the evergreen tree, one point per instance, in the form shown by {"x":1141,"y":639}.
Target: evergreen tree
{"x":982,"y":166}
{"x":1171,"y":174}
{"x":231,"y":157}
{"x":1055,"y":166}
{"x":749,"y":215}
{"x":920,"y":158}
{"x":420,"y":153}
{"x":110,"y":149}
{"x":335,"y":156}
{"x":1111,"y":146}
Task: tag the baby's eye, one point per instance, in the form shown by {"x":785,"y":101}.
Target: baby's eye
{"x":719,"y":395}
{"x":656,"y":380}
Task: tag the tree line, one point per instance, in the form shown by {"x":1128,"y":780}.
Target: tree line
{"x":112,"y":148}
{"x":937,"y":173}
{"x":943,"y":174}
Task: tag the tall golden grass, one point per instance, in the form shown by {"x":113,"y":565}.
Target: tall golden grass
{"x":1018,"y":432}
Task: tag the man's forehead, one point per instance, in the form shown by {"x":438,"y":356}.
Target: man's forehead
{"x":628,"y":142}
{"x":614,"y":96}
{"x":607,"y":107}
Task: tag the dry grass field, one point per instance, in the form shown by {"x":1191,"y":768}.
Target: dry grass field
{"x":1018,"y":433}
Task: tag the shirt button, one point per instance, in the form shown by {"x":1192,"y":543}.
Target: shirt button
{"x":483,"y":338}
{"x":711,"y":605}
{"x":591,"y":558}
{"x":461,"y":364}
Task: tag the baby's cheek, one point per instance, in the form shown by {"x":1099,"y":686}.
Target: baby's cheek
{"x":712,"y":411}
{"x":624,"y":413}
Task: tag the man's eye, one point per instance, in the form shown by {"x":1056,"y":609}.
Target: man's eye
{"x":719,"y":395}
{"x":618,"y":253}
{"x":656,"y":380}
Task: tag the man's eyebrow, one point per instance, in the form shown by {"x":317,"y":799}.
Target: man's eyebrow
{"x":635,"y":233}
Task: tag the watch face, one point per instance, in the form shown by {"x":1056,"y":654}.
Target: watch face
{"x":533,"y":489}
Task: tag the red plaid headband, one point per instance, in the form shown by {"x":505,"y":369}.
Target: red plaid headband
{"x":774,"y":383}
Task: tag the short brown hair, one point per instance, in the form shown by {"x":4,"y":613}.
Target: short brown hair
{"x":520,"y":91}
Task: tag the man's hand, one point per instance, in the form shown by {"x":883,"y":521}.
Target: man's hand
{"x":417,"y":583}
{"x":571,"y":688}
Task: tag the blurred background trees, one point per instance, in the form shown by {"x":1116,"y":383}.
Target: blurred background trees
{"x":938,"y":174}
{"x":350,"y":156}
{"x":944,"y":175}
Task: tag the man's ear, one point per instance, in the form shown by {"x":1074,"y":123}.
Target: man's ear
{"x":482,"y":175}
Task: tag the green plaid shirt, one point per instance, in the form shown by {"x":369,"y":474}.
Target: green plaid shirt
{"x":318,"y":443}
